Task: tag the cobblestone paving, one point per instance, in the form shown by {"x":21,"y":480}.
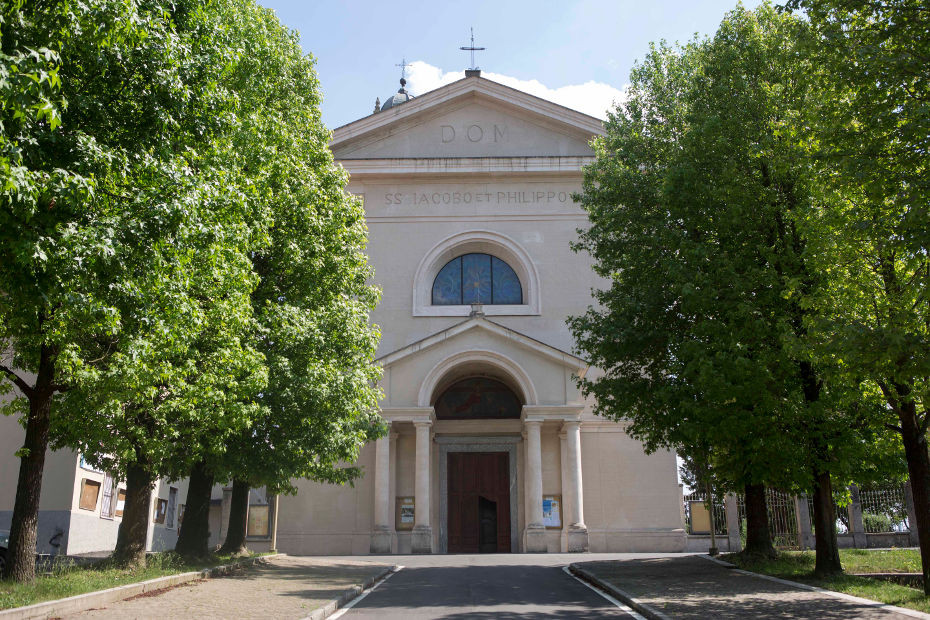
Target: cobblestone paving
{"x":282,"y":587}
{"x":693,"y":587}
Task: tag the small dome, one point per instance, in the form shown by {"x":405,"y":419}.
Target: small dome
{"x":401,"y":96}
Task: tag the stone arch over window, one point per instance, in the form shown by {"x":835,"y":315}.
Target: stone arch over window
{"x":509,"y":254}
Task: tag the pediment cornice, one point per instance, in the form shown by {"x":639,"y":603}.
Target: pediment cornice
{"x":459,"y":93}
{"x":578,"y":365}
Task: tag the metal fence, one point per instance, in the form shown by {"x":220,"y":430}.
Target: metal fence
{"x":841,"y":512}
{"x":884,"y":509}
{"x":783,"y":520}
{"x":720,"y":514}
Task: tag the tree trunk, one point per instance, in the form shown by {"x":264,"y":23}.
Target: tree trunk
{"x":194,"y":536}
{"x":758,"y":536}
{"x":238,"y":518}
{"x":133,"y":531}
{"x":918,"y":467}
{"x":21,"y":554}
{"x":827,"y":548}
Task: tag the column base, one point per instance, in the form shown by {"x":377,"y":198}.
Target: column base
{"x":576,"y":540}
{"x":382,"y":541}
{"x":534,"y":539}
{"x":421,"y":539}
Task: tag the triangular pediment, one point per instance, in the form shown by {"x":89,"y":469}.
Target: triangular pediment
{"x":473,"y":117}
{"x":481,"y":324}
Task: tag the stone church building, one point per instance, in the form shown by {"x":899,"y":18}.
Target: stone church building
{"x":492,"y":447}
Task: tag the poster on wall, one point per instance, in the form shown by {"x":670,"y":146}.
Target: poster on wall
{"x":552,"y":511}
{"x":406,"y":512}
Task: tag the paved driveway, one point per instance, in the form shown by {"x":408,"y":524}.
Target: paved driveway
{"x":529,"y":587}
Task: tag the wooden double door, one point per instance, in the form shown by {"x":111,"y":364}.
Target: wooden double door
{"x":479,"y":502}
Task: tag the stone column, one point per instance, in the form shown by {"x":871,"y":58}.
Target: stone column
{"x":382,"y":536}
{"x":734,"y":542}
{"x":534,"y":537}
{"x":856,"y":526}
{"x":803,"y":514}
{"x":577,"y":530}
{"x":422,"y":537}
{"x":566,"y":500}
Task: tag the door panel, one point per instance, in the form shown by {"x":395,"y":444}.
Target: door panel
{"x":478,"y":490}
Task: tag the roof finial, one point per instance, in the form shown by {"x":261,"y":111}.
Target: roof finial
{"x":377,"y":105}
{"x":471,"y":48}
{"x":403,"y":71}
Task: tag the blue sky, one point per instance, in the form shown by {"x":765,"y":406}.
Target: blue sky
{"x":587,"y":45}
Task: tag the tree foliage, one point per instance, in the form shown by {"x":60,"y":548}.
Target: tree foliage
{"x":868,"y":132}
{"x":704,"y":331}
{"x":182,"y":259}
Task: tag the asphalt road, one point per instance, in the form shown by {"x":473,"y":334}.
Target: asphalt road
{"x":529,"y":587}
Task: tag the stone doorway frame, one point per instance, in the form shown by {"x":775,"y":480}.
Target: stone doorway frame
{"x":453,"y":443}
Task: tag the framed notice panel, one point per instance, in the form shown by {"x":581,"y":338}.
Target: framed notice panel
{"x":258,"y":521}
{"x":406,"y":511}
{"x":700,"y":517}
{"x":552,"y":511}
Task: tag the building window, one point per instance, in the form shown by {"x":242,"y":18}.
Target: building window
{"x":85,"y":465}
{"x":161,"y":510}
{"x":120,"y":502}
{"x":172,"y":504}
{"x":107,"y":506}
{"x":476,"y":279}
{"x":478,"y":398}
{"x":90,"y":491}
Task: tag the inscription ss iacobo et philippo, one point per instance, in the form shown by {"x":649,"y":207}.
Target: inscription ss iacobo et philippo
{"x":463,"y":198}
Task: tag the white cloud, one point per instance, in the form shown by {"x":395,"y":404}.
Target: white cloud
{"x":593,"y":98}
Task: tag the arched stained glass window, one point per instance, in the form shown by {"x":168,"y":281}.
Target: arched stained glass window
{"x":476,"y":279}
{"x":477,"y":398}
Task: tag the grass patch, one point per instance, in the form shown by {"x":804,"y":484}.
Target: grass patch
{"x":67,"y":580}
{"x":799,"y":566}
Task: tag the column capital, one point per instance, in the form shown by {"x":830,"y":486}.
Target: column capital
{"x":570,"y":425}
{"x":427,"y":423}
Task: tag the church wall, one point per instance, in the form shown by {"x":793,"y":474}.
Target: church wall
{"x":478,"y":167}
{"x":328,"y":519}
{"x":631,"y":499}
{"x":401,"y":236}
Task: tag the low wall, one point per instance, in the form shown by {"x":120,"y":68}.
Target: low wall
{"x":700,"y":543}
{"x":876,"y":541}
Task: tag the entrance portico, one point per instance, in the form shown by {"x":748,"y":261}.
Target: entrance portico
{"x":475,"y":398}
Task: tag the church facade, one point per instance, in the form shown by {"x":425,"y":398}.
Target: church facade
{"x":492,"y":447}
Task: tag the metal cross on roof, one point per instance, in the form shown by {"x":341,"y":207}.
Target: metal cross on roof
{"x":472,"y":48}
{"x":403,"y":67}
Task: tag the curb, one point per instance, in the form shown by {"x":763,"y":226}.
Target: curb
{"x":90,"y":600}
{"x":617,"y":593}
{"x":913,"y":613}
{"x":321,"y":613}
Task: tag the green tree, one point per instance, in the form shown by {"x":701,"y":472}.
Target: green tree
{"x":87,"y":140}
{"x":702,"y":333}
{"x":869,"y":134}
{"x":312,"y":299}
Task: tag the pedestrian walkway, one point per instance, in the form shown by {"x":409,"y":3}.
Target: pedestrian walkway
{"x":694,"y":587}
{"x":281,"y":587}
